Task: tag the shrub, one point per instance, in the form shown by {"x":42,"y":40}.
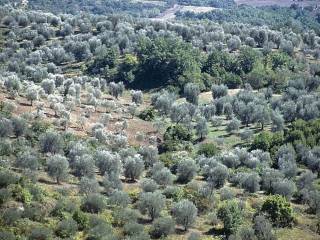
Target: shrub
{"x":163,"y":177}
{"x":11,"y":216}
{"x":21,"y":194}
{"x":5,"y":195}
{"x":5,"y":235}
{"x":7,"y":177}
{"x":208,"y":149}
{"x":147,"y":114}
{"x":67,"y":228}
{"x":119,"y":198}
{"x":19,"y":126}
{"x":93,"y":203}
{"x":278,"y":210}
{"x":149,"y":185}
{"x":263,"y":228}
{"x":5,"y":127}
{"x":88,"y":186}
{"x":314,"y":201}
{"x":231,"y":216}
{"x":185,"y":213}
{"x":63,"y":206}
{"x":100,"y":230}
{"x":40,"y":233}
{"x":251,"y":183}
{"x":162,"y":227}
{"x":34,"y":212}
{"x":177,"y":132}
{"x":132,"y":228}
{"x":82,"y":219}
{"x":284,"y":187}
{"x":124,"y":215}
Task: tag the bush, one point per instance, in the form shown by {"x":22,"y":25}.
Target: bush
{"x":5,"y":195}
{"x":101,"y":230}
{"x":119,"y":198}
{"x":34,"y":212}
{"x":19,"y":126}
{"x":147,"y":114}
{"x":93,"y":203}
{"x":21,"y":194}
{"x":67,"y":228}
{"x":208,"y":149}
{"x":278,"y":210}
{"x":82,"y":219}
{"x":88,"y":186}
{"x":149,"y":185}
{"x":178,"y":133}
{"x":5,"y":127}
{"x":5,"y":235}
{"x":263,"y":228}
{"x":63,"y":206}
{"x":124,"y":215}
{"x":11,"y":216}
{"x":40,"y":233}
{"x":231,"y":216}
{"x":132,"y":228}
{"x":163,"y":177}
{"x":162,"y":227}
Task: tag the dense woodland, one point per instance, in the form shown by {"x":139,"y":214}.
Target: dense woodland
{"x":118,"y":124}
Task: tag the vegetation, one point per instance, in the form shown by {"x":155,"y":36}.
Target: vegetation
{"x":116,"y":123}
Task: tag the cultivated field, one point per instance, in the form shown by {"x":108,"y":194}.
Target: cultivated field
{"x":282,"y":3}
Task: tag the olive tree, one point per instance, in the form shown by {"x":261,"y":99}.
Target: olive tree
{"x":185,"y":213}
{"x":5,"y":127}
{"x":151,"y":203}
{"x":32,"y":94}
{"x":28,"y":160}
{"x":58,"y":167}
{"x":137,"y":97}
{"x":191,"y":92}
{"x":186,"y":170}
{"x":219,"y":91}
{"x":202,"y":128}
{"x":107,"y":162}
{"x":88,"y":186}
{"x":116,"y":89}
{"x":50,"y":142}
{"x":84,"y":166}
{"x":133,"y":167}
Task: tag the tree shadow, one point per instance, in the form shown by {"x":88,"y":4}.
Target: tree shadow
{"x":47,"y":182}
{"x":215,"y":232}
{"x":25,"y":104}
{"x":144,"y":221}
{"x":180,"y":231}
